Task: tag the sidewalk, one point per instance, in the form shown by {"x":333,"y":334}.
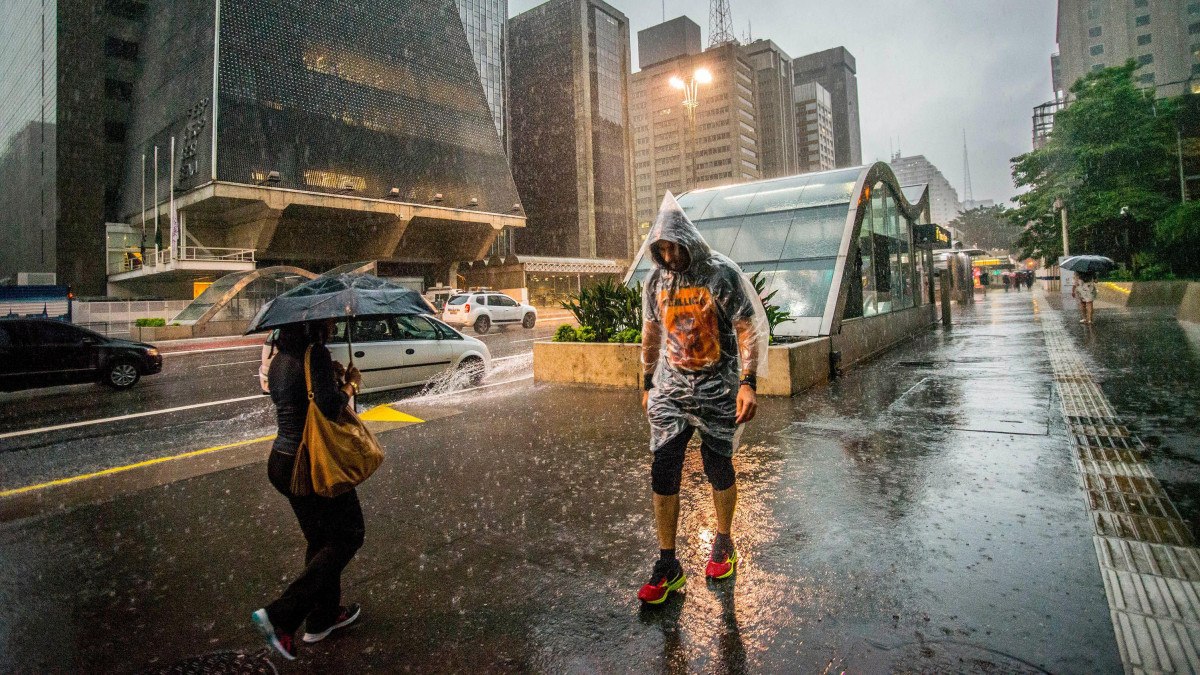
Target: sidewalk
{"x":198,"y":344}
{"x":922,"y":513}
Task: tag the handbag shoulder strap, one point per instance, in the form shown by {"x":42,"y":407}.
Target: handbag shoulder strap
{"x":308,"y":371}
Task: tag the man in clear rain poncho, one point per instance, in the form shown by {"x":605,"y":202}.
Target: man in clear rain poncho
{"x":704,"y":343}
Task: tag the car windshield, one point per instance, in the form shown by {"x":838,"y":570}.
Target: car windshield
{"x":458,"y":300}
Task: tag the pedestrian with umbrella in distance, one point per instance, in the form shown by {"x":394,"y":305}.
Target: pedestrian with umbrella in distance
{"x":1086,"y":267}
{"x":311,"y":393}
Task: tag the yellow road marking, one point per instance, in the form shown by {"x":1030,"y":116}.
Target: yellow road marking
{"x":1117,"y":288}
{"x":128,"y":467}
{"x":386,"y":413}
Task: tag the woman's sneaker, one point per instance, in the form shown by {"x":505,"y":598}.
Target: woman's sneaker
{"x":345,"y":617}
{"x":281,"y":642}
{"x":667,"y":576}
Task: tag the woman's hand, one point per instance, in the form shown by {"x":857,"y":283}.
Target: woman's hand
{"x":339,"y":372}
{"x":352,"y":376}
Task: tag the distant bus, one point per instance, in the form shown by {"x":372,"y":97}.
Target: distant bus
{"x":49,"y":302}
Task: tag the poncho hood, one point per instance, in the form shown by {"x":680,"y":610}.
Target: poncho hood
{"x":673,"y":225}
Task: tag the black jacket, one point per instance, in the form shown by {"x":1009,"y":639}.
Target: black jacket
{"x":290,"y":394}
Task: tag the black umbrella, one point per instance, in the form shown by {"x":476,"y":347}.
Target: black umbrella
{"x":1094,"y":264}
{"x":339,"y":296}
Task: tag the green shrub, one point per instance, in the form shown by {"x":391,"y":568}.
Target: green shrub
{"x":627,"y":336}
{"x":607,"y":309}
{"x":566,"y":333}
{"x":775,"y":314}
{"x":150,"y":323}
{"x":587,"y":334}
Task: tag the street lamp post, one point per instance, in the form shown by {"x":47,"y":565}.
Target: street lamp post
{"x":1059,"y":205}
{"x":691,"y":99}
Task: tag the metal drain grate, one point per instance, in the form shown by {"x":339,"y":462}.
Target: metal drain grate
{"x":1146,"y":551}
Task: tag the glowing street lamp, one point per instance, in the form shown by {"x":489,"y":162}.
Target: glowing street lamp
{"x":691,"y":99}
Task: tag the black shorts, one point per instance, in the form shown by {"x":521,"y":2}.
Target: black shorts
{"x":666,"y":473}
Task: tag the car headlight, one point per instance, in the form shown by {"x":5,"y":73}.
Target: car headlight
{"x":152,"y":352}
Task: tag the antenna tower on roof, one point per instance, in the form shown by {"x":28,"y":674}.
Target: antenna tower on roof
{"x":720,"y":23}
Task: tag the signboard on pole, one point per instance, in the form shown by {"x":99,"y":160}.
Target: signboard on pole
{"x":931,"y":236}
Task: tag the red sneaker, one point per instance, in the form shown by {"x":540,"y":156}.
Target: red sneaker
{"x":722,"y":569}
{"x":281,"y":642}
{"x":667,"y":576}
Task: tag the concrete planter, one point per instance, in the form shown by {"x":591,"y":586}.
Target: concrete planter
{"x":1189,"y":305}
{"x":862,"y":338}
{"x":154,"y":334}
{"x":793,"y":368}
{"x":1142,"y":293}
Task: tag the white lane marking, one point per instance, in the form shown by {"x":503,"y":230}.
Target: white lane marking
{"x":206,"y":351}
{"x":231,"y":363}
{"x":106,"y":420}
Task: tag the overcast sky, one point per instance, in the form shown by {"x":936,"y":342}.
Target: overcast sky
{"x":927,"y":70}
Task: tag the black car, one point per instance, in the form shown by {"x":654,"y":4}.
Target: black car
{"x":47,"y":352}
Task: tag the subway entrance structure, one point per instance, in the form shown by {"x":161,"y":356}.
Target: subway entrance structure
{"x":848,"y":253}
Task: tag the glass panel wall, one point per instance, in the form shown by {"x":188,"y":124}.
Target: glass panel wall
{"x":883,"y":266}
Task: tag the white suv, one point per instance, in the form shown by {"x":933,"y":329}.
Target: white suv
{"x":486,"y":309}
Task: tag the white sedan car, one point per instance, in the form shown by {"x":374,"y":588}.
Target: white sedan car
{"x":482,"y":310}
{"x":393,"y":352}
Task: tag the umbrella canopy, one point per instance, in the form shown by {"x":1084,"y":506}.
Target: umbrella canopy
{"x":1095,"y":264}
{"x":336,"y":296}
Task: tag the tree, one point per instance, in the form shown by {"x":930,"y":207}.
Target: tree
{"x":986,"y":227}
{"x":1112,"y":147}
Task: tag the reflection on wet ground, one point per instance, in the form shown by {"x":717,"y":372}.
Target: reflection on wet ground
{"x":919,"y":514}
{"x":1148,"y":365}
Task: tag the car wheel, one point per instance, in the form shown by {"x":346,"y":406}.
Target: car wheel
{"x":529,"y":321}
{"x":473,"y":368}
{"x":482,"y":325}
{"x":121,"y":375}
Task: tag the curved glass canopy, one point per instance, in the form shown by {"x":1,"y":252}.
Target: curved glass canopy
{"x":833,"y":245}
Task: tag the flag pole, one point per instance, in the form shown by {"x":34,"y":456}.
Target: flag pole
{"x":156,"y":205}
{"x":171,"y":202}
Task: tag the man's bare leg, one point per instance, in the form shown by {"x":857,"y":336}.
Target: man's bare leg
{"x":724,"y":502}
{"x":666,"y":518}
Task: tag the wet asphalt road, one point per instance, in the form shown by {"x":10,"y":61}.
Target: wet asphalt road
{"x":220,"y":378}
{"x":922,"y":513}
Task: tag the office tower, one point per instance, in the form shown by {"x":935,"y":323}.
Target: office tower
{"x":678,"y":37}
{"x":814,"y":128}
{"x":485,"y":23}
{"x":569,"y":123}
{"x":776,"y":110}
{"x":669,"y":152}
{"x":1162,"y":36}
{"x":834,"y":69}
{"x":943,"y":198}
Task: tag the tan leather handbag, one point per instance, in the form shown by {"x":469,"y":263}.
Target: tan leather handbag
{"x":334,"y":455}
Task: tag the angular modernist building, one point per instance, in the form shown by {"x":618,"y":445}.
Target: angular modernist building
{"x":838,"y":247}
{"x":835,"y":70}
{"x":158,"y":142}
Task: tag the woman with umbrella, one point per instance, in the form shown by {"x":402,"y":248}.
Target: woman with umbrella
{"x":332,"y":527}
{"x":1086,"y":267}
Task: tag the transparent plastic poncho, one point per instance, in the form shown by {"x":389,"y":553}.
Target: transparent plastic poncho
{"x":704,"y":329}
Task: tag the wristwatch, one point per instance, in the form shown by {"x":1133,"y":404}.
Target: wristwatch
{"x":750,"y":380}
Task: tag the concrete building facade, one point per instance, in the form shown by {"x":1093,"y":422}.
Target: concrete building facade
{"x":776,"y":112}
{"x":834,"y":69}
{"x":943,"y":198}
{"x":724,"y":147}
{"x":678,"y":37}
{"x":64,"y":115}
{"x":814,"y":128}
{"x":569,"y":90}
{"x":1162,"y":36}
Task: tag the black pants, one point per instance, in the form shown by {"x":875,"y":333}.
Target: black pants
{"x":666,"y":473}
{"x":334,"y":531}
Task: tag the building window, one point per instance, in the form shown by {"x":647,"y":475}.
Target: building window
{"x":1148,"y":78}
{"x":1094,"y":32}
{"x":1143,"y":40}
{"x":1097,"y":66}
{"x":1141,"y":3}
{"x":114,"y":132}
{"x":121,"y":49}
{"x":1096,"y":50}
{"x":1145,"y":59}
{"x":116,"y":90}
{"x":1196,"y":68}
{"x":127,"y":9}
{"x":1194,"y":29}
{"x":1143,"y":20}
{"x":1194,"y":8}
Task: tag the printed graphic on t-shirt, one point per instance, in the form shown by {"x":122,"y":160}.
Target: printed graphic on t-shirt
{"x":690,"y":324}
